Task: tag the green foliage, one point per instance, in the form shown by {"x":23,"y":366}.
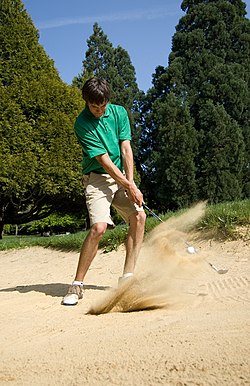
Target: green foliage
{"x":222,"y":150}
{"x":223,"y":219}
{"x":112,"y":239}
{"x":113,"y":64}
{"x":172,"y":161}
{"x":208,"y":74}
{"x":21,"y":57}
{"x":40,"y":157}
{"x":55,"y":223}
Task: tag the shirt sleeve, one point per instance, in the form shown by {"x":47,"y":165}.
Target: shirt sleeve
{"x":90,"y":143}
{"x":124,"y":126}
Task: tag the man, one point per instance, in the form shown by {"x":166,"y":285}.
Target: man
{"x":103,"y":131}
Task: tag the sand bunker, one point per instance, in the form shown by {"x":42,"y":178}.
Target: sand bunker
{"x":197,"y":335}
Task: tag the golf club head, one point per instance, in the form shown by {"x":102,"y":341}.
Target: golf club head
{"x":221,"y":271}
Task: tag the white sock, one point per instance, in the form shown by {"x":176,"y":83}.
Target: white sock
{"x":127,"y":274}
{"x":76,"y":282}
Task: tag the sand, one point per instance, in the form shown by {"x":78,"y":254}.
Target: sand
{"x":178,"y":322}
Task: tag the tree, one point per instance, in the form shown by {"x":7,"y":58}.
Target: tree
{"x":39,"y":157}
{"x":221,"y":160}
{"x":169,"y":159}
{"x":208,"y":72}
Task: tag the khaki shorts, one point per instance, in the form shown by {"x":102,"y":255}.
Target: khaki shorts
{"x":101,"y":191}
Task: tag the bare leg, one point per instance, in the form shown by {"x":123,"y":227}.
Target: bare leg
{"x":134,"y":240}
{"x":89,"y":249}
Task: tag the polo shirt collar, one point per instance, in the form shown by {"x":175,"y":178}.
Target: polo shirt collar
{"x":106,"y":114}
{"x":89,"y":114}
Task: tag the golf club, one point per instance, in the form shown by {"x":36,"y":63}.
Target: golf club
{"x":219,"y":270}
{"x":190,"y":248}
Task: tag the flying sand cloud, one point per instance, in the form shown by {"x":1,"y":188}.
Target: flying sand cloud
{"x":165,"y":271}
{"x":150,"y":14}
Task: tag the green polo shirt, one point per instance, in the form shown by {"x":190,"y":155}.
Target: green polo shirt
{"x":102,"y":135}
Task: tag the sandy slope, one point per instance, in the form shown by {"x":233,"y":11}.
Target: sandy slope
{"x":200,"y":337}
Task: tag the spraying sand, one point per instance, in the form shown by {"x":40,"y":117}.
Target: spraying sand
{"x":164,"y":269}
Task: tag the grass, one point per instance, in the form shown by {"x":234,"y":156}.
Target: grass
{"x":222,"y":219}
{"x":225,"y":219}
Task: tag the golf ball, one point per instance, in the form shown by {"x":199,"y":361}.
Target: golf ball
{"x":191,"y":249}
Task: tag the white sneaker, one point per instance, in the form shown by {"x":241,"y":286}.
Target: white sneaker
{"x":125,"y":278}
{"x":75,"y":293}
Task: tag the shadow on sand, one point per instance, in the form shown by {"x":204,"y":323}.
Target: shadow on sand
{"x":52,"y":289}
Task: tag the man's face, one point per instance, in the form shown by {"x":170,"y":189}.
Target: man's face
{"x":97,"y":110}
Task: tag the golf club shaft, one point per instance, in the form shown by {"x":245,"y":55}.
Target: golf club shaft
{"x":153,"y":213}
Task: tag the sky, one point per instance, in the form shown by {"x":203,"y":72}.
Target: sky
{"x":144,"y":28}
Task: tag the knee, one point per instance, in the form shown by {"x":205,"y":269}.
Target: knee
{"x":142,"y":218}
{"x":97,"y":230}
{"x":139,"y":219}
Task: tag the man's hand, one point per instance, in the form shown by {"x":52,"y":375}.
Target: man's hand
{"x":135,"y":195}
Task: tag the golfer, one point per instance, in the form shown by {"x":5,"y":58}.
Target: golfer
{"x":104,"y":133}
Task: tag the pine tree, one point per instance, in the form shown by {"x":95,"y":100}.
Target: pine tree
{"x":169,"y":155}
{"x":221,"y":159}
{"x":209,"y":70}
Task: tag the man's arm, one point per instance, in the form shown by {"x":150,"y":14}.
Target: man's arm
{"x":127,"y":160}
{"x":126,"y":180}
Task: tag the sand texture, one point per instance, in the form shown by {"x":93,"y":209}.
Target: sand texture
{"x":177,"y":322}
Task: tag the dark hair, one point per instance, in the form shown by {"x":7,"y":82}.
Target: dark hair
{"x":96,"y":90}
